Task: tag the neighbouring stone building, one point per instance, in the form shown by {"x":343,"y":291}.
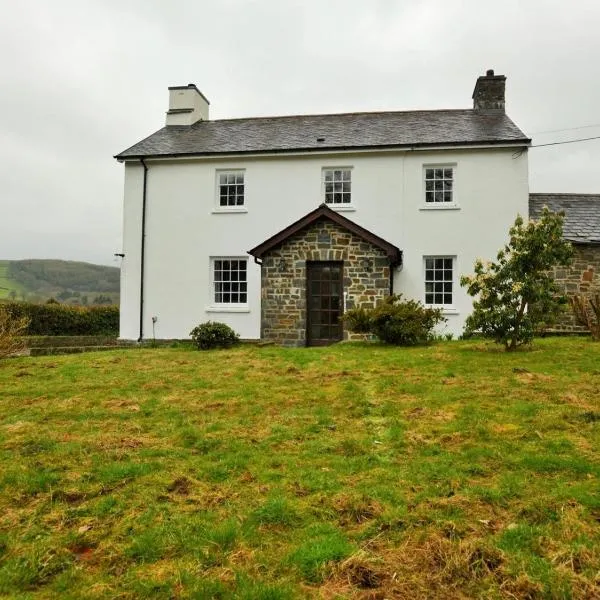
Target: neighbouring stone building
{"x":582,"y":229}
{"x":315,"y":269}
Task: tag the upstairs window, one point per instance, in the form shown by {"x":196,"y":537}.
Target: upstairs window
{"x":230,"y":280}
{"x":337,"y":184}
{"x":439,"y":185}
{"x":230,"y":189}
{"x":439,"y":280}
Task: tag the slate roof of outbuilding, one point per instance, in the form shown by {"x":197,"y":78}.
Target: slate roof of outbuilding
{"x":368,"y":130}
{"x":582,"y":214}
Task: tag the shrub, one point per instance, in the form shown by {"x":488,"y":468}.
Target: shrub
{"x":396,"y":321}
{"x":11,"y":329}
{"x":62,"y":319}
{"x":213,"y":335}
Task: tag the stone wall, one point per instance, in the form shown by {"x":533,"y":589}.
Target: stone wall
{"x":283,"y":286}
{"x":582,"y":277}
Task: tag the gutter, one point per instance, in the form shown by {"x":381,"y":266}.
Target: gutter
{"x":143,"y":250}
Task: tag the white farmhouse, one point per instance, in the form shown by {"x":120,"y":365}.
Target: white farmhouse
{"x":276,"y":225}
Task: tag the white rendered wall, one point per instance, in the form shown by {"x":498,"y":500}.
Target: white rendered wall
{"x":184,"y":229}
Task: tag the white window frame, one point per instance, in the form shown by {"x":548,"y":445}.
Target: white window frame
{"x":447,"y":308}
{"x":242,"y":208}
{"x":341,"y":207}
{"x":215,"y":306}
{"x":453,"y":205}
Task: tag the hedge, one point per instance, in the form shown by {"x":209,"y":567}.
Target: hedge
{"x":64,"y":319}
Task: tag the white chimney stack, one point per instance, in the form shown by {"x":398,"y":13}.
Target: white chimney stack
{"x":187,"y":105}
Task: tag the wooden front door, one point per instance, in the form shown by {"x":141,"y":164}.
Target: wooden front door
{"x":324,"y":300}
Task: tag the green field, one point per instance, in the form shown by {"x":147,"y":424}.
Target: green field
{"x":6,"y":284}
{"x":354,"y":471}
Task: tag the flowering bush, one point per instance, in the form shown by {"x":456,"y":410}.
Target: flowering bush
{"x":516,"y":296}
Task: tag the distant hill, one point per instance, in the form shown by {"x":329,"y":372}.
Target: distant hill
{"x":37,"y":280}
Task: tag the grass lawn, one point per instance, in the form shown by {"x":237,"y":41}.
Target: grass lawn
{"x":354,"y":471}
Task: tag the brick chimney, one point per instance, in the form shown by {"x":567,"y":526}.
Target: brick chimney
{"x":488,"y":95}
{"x":187,"y":105}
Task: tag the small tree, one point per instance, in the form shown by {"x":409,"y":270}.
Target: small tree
{"x":516,"y":296}
{"x":11,"y":328}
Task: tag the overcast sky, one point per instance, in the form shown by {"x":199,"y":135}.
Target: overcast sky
{"x":83,"y":80}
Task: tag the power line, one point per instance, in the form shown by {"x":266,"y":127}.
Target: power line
{"x":597,"y":137}
{"x":567,"y":129}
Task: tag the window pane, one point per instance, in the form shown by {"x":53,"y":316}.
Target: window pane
{"x":447,"y":298}
{"x":448,"y":173}
{"x":337,"y":175}
{"x":428,"y":298}
{"x":337,"y":198}
{"x":429,"y":263}
{"x":328,"y":175}
{"x":429,"y":186}
{"x":428,"y":196}
{"x":447,"y":196}
{"x":439,"y":196}
{"x":447,"y":263}
{"x":429,"y":173}
{"x":439,"y":184}
{"x":346,"y":187}
{"x":337,"y":186}
{"x":439,"y":173}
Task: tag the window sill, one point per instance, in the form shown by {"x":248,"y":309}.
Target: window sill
{"x":446,"y":310}
{"x":217,"y":211}
{"x":440,"y":206}
{"x":342,"y":207}
{"x":227,"y":308}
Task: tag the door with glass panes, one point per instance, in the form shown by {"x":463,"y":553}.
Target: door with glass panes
{"x":324,"y":300}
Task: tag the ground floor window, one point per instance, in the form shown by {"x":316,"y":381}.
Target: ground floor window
{"x":439,"y":280}
{"x":230,"y":280}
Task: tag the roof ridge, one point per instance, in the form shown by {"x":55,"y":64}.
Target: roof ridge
{"x":342,"y":114}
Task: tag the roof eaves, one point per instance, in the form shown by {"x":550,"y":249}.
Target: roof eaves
{"x":419,"y":145}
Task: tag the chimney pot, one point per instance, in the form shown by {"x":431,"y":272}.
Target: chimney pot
{"x":490,"y":72}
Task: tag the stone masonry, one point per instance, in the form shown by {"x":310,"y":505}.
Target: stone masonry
{"x":581,"y":278}
{"x":366,"y":278}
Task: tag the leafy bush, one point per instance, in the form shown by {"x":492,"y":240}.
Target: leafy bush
{"x":396,"y":321}
{"x":62,"y":319}
{"x":213,"y":335}
{"x":11,"y":329}
{"x":516,"y":296}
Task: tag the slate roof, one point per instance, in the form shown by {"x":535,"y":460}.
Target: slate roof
{"x":582,"y":214}
{"x":423,"y":128}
